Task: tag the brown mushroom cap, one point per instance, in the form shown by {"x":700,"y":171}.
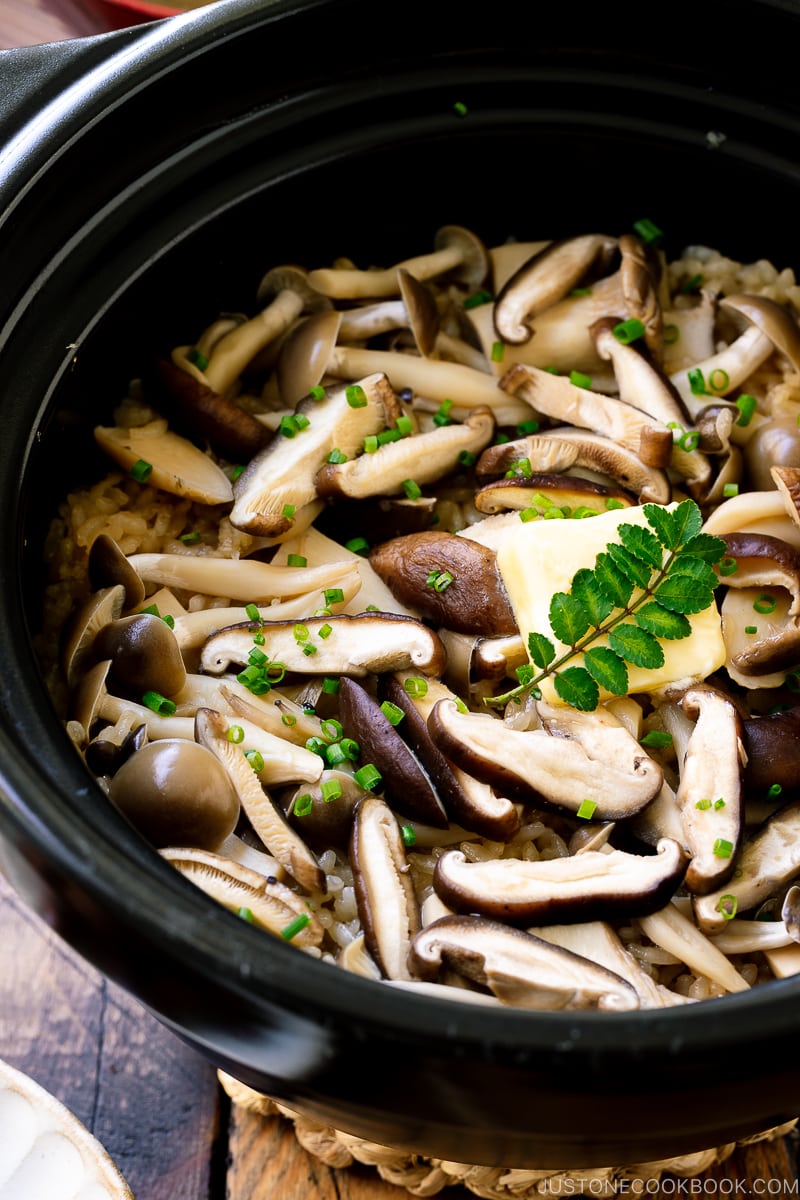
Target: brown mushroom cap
{"x":775,"y":443}
{"x":772,"y":319}
{"x":473,"y":601}
{"x":176,"y":793}
{"x":144,"y":654}
{"x":202,"y":413}
{"x":108,"y":566}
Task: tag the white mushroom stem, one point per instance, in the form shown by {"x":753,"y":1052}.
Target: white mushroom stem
{"x":237,"y":578}
{"x":749,"y":937}
{"x":349,"y":284}
{"x":674,"y":932}
{"x":234,"y":351}
{"x":725,"y":371}
{"x":113,"y":707}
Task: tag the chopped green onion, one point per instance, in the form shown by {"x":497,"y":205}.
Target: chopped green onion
{"x":730,"y":490}
{"x":289,"y":719}
{"x":336,"y":457}
{"x":648,"y":231}
{"x":287,"y":427}
{"x":529,"y":514}
{"x":751,"y":629}
{"x":297,"y":560}
{"x":613,"y":503}
{"x":703,"y":805}
{"x":141,"y":470}
{"x":412,"y":489}
{"x":301,"y":421}
{"x":190,"y":539}
{"x":246,"y":914}
{"x":416,"y":687}
{"x":746,"y":405}
{"x":255,"y":759}
{"x":501,"y":439}
{"x":460,"y":108}
{"x":718,"y":380}
{"x":727,"y":906}
{"x":498,"y":352}
{"x":692,"y":284}
{"x":367,"y":776}
{"x":325,"y":631}
{"x":583,"y":511}
{"x":723,"y":848}
{"x":334,"y":754}
{"x":580,"y":291}
{"x":442,"y":414}
{"x":467,"y":459}
{"x":300,"y":632}
{"x":522,"y":466}
{"x":628,"y":331}
{"x":331,"y":790}
{"x":765,"y":603}
{"x":370,"y":444}
{"x":274,"y":672}
{"x":671,"y":335}
{"x":236,"y":472}
{"x":718,"y":804}
{"x":317,"y":746}
{"x":357,"y":545}
{"x":294,"y":927}
{"x":393,"y":714}
{"x":689,"y":441}
{"x":333,"y":596}
{"x":656,"y":737}
{"x":288,"y":511}
{"x":253,"y":612}
{"x":526,"y":427}
{"x":727,"y":565}
{"x":197,"y":358}
{"x":389,"y":435}
{"x":578,"y":379}
{"x":331,"y":730}
{"x":408,"y":835}
{"x":309,"y":648}
{"x":440,"y":580}
{"x":586,"y":809}
{"x":477,"y":299}
{"x":404,"y":425}
{"x":350,"y":748}
{"x":356,"y":396}
{"x":303,"y":805}
{"x":317,"y":393}
{"x":330,"y":686}
{"x":256,"y":657}
{"x":696,"y":382}
{"x":775,"y":789}
{"x":235,"y":734}
{"x":159,"y":704}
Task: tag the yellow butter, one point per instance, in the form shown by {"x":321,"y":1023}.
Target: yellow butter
{"x":541,"y":558}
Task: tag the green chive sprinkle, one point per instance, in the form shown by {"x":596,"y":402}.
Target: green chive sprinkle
{"x":477,"y":299}
{"x":727,"y":565}
{"x":730,"y":490}
{"x":412,"y":489}
{"x":765,"y":603}
{"x":460,"y":108}
{"x":727,"y":906}
{"x":467,"y":459}
{"x":331,"y":790}
{"x":253,"y":612}
{"x":367,"y":777}
{"x":317,"y":393}
{"x":393,"y":714}
{"x":357,"y":545}
{"x":723,"y":848}
{"x":746,"y":405}
{"x":526,"y":427}
{"x":498,"y":352}
{"x":190,"y":539}
{"x":370,"y":444}
{"x":628,"y":331}
{"x":288,"y":511}
{"x":300,"y":632}
{"x":404,"y":425}
{"x":408,"y":835}
{"x":697,"y":384}
{"x":648,"y":231}
{"x":333,"y":596}
{"x":197,"y":358}
{"x":416,"y":687}
{"x":719,"y":380}
{"x":356,"y":396}
{"x":578,"y":379}
{"x":330,"y":686}
{"x":586,"y":809}
{"x":255,"y":759}
{"x":656,"y":737}
{"x":303,"y":805}
{"x":159,"y":704}
{"x":141,"y":470}
{"x":294,"y":927}
{"x":775,"y":790}
{"x":325,"y":631}
{"x":336,"y":457}
{"x":246,"y":914}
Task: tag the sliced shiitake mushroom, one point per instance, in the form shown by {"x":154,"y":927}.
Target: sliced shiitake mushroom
{"x":387,"y":903}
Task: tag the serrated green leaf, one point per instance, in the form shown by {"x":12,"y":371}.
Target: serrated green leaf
{"x":636,"y":646}
{"x":541,"y":650}
{"x":588,"y":591}
{"x":612,"y":582}
{"x":642,"y":544}
{"x":575,"y":686}
{"x":568,"y":618}
{"x":695,"y":568}
{"x":682,"y":594}
{"x":662,"y":622}
{"x":711,"y":549}
{"x":660,"y":521}
{"x":632,"y":568}
{"x":687,"y":521}
{"x":607,"y":669}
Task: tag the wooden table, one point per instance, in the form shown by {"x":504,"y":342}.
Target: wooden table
{"x":153,"y":1103}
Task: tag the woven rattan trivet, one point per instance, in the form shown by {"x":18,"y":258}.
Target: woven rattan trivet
{"x":428,"y":1176}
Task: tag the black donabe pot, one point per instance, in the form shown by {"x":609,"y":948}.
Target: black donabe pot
{"x":146,"y":181}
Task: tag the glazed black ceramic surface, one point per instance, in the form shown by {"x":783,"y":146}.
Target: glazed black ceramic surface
{"x":146,"y":181}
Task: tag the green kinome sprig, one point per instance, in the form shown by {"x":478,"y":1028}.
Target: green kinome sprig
{"x":641,"y":591}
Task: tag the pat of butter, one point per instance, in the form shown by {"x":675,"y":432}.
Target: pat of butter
{"x":541,"y":558}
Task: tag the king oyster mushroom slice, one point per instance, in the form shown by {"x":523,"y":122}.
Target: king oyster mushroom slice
{"x":423,"y":457}
{"x":574,"y":757}
{"x":518,"y":967}
{"x":761,"y":610}
{"x":369,"y":643}
{"x":546,"y":278}
{"x":283,"y":842}
{"x":644,"y":386}
{"x":725,"y":371}
{"x":387,"y":904}
{"x":555,"y":396}
{"x":596,"y":885}
{"x":457,"y":253}
{"x":281,"y":479}
{"x":407,"y":784}
{"x":565,"y":448}
{"x":473,"y":804}
{"x":177,"y":465}
{"x":465,"y":592}
{"x":272,"y":904}
{"x":768,"y":861}
{"x":176,"y":793}
{"x":245,"y":579}
{"x":709,"y":794}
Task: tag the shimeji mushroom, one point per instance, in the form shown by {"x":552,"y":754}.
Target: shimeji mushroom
{"x":369,"y":643}
{"x":557,"y":397}
{"x":724,"y":371}
{"x":472,"y":658}
{"x":450,"y":580}
{"x":281,"y":480}
{"x":322,"y":812}
{"x":144,"y":654}
{"x":709,"y":794}
{"x":387,"y":903}
{"x":565,"y":448}
{"x":268,"y":821}
{"x":270,"y":904}
{"x":92,"y":702}
{"x":246,"y":579}
{"x":598,"y":884}
{"x":108,"y":566}
{"x":774,"y":445}
{"x":761,"y":610}
{"x":77,"y":651}
{"x":423,"y":458}
{"x":304,"y":355}
{"x":518,"y":967}
{"x":772,"y":319}
{"x":573,"y":758}
{"x":171,"y":463}
{"x":176,"y":793}
{"x":457,"y":253}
